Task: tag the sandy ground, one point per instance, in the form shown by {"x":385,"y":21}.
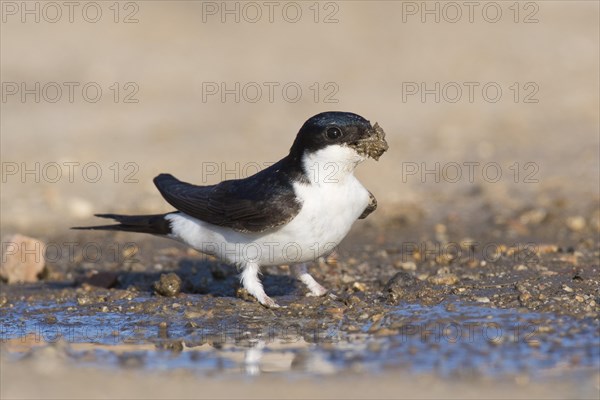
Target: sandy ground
{"x":519,"y":172}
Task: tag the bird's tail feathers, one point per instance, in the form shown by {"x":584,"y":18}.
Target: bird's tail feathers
{"x":155,"y":224}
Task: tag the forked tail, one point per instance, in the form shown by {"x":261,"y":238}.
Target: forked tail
{"x":154,"y":224}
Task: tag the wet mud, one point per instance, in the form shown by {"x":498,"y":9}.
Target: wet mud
{"x":445,"y":305}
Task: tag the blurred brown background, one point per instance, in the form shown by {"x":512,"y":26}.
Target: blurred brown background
{"x":369,"y":58}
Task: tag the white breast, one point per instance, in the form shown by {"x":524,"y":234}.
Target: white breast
{"x":327,"y":214}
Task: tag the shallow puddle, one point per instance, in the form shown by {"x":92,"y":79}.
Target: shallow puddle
{"x":450,"y":339}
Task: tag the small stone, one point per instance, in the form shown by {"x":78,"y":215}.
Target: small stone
{"x":443,"y":279}
{"x":523,"y":297}
{"x":547,"y":248}
{"x":402,"y":286}
{"x":350,"y":300}
{"x":169,"y":285}
{"x":382,"y":254}
{"x":23,"y":259}
{"x":520,"y":267}
{"x":533,"y":217}
{"x":336,"y":312}
{"x":406,"y":266}
{"x":576,"y":223}
{"x":359,"y":286}
{"x":352,"y":261}
{"x":567,"y":289}
{"x":482,"y":299}
{"x":377,"y":317}
{"x":83,"y":300}
{"x":243,"y":294}
{"x":331,"y":259}
{"x":400,"y":280}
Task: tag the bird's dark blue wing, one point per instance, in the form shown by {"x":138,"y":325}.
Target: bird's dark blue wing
{"x":255,"y":204}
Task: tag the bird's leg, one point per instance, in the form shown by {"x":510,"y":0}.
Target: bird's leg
{"x":301,"y":273}
{"x":252,"y":284}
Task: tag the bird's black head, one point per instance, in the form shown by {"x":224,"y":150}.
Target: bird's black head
{"x":343,"y":129}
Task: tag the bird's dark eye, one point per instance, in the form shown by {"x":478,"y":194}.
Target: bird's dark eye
{"x":333,"y":133}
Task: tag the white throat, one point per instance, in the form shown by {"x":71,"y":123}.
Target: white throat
{"x":333,"y":164}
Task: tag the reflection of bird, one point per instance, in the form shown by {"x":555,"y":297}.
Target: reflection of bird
{"x":296,"y":210}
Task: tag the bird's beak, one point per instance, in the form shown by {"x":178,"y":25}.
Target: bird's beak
{"x":373,"y":145}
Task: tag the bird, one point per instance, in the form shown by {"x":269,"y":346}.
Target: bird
{"x":293,"y":212}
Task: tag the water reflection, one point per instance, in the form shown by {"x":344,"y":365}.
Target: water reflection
{"x":449,"y":339}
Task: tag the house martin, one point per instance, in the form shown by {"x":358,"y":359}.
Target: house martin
{"x":292,"y":212}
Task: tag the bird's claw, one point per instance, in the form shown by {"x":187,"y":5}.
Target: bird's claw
{"x":269,"y":302}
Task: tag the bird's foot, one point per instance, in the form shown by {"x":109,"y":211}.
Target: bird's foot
{"x":268,"y":302}
{"x":253,"y":286}
{"x":316,"y":290}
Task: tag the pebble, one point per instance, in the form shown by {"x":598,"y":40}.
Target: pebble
{"x":332,"y":259}
{"x":169,"y":285}
{"x":83,"y":300}
{"x":400,"y":281}
{"x":576,"y":224}
{"x":524,"y":296}
{"x":23,"y":259}
{"x":406,"y":266}
{"x":336,"y":312}
{"x":377,"y":317}
{"x":534,"y":216}
{"x":482,"y":299}
{"x":350,"y":300}
{"x":443,"y":279}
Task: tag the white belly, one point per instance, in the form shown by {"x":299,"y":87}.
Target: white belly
{"x":327,"y":214}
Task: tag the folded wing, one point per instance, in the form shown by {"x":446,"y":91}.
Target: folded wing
{"x":246,"y":205}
